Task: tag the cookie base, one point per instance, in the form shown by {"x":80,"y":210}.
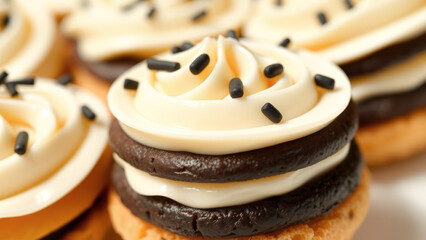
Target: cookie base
{"x":393,"y":140}
{"x":340,"y":223}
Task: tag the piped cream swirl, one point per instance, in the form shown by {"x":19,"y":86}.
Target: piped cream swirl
{"x":28,"y":42}
{"x":185,"y":112}
{"x":63,"y":146}
{"x":106,"y":30}
{"x":350,"y":34}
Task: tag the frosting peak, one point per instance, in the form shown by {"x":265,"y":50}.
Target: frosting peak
{"x":179,"y":110}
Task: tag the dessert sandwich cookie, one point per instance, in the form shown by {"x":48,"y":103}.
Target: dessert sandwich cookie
{"x":235,"y":139}
{"x":381,"y":46}
{"x":108,"y":37}
{"x":29,"y":40}
{"x":54,"y":158}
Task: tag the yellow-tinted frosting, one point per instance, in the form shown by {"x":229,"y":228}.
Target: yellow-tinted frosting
{"x":28,"y":42}
{"x":63,"y":145}
{"x":110,"y":29}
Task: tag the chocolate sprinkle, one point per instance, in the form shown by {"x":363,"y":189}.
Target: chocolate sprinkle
{"x":130,"y":84}
{"x":349,"y":4}
{"x":151,"y":12}
{"x":324,"y":81}
{"x":65,"y":79}
{"x":285,"y":42}
{"x":322,"y":18}
{"x":273,"y":70}
{"x":6,"y":20}
{"x":198,"y":65}
{"x":186,"y":45}
{"x":11,"y":88}
{"x":278,"y":3}
{"x":199,"y":15}
{"x":21,"y":143}
{"x":130,"y":6}
{"x":88,"y":113}
{"x":24,"y":81}
{"x":272,"y":113}
{"x":3,"y":77}
{"x":155,"y":64}
{"x":236,"y":88}
{"x":176,"y":49}
{"x":232,"y":34}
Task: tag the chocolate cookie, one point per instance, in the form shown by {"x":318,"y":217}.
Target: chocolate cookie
{"x":386,"y":57}
{"x":269,"y":161}
{"x":385,"y":107}
{"x":315,"y":198}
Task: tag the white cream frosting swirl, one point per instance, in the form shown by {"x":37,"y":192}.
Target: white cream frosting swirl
{"x":104,"y":30}
{"x":349,"y":34}
{"x":184,"y":112}
{"x":63,"y":146}
{"x":29,"y":43}
{"x":214,"y":195}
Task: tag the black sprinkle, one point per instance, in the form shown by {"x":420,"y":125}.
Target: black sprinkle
{"x":198,"y":65}
{"x":236,"y":88}
{"x":322,"y":18}
{"x":24,"y":81}
{"x":324,"y":81}
{"x":285,"y":42}
{"x":232,"y":34}
{"x":130,"y":6}
{"x":65,"y":79}
{"x":176,"y":49}
{"x":272,"y":113}
{"x":3,"y":77}
{"x":130,"y":84}
{"x":349,"y":4}
{"x":88,"y":113}
{"x":6,"y":20}
{"x":84,"y":3}
{"x":199,"y":15}
{"x":273,"y":70}
{"x":11,"y":88}
{"x":21,"y":143}
{"x":151,"y":12}
{"x":186,"y":45}
{"x":278,"y":3}
{"x":155,"y":64}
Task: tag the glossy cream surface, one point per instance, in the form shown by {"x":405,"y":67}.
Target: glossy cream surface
{"x":63,"y":145}
{"x":108,"y":29}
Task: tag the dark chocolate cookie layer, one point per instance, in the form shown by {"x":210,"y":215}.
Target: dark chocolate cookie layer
{"x":382,"y":108}
{"x":386,"y":57}
{"x":313,"y":199}
{"x":106,"y":70}
{"x":269,"y":161}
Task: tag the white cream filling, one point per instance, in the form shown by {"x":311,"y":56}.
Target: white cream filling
{"x":401,"y":77}
{"x":213,"y":195}
{"x":180,"y":111}
{"x":61,"y":151}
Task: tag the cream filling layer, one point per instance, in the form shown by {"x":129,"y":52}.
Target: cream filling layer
{"x":402,"y":77}
{"x":100,"y":33}
{"x":28,"y":39}
{"x":214,"y":195}
{"x":348,"y":35}
{"x":63,"y":146}
{"x":180,"y":111}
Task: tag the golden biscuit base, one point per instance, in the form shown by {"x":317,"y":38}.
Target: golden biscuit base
{"x":393,"y":140}
{"x":340,"y":223}
{"x":60,"y":213}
